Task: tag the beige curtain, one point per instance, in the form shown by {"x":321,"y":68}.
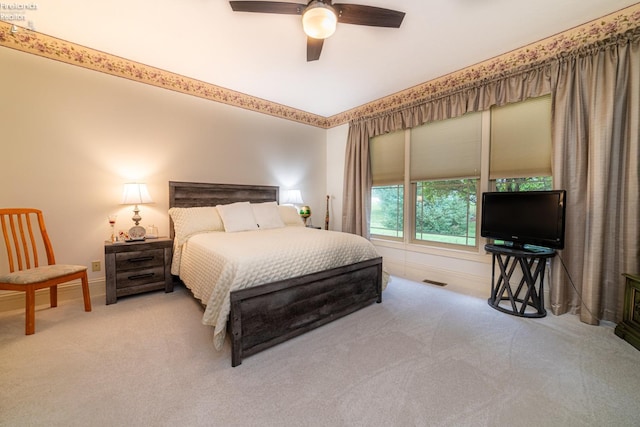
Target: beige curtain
{"x":357,"y":182}
{"x":596,"y":128}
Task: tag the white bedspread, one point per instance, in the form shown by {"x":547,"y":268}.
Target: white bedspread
{"x":215,"y":263}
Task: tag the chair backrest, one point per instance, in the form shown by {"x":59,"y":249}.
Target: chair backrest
{"x":24,"y":236}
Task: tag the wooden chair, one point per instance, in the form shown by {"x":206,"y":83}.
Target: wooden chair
{"x":23,"y":238}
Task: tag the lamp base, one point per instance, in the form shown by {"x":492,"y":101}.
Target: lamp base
{"x":137,"y":232}
{"x":305,"y":212}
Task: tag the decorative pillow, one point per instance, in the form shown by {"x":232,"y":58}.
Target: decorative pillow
{"x":189,"y":221}
{"x":290,"y":216}
{"x":267,"y":215}
{"x":237,"y":217}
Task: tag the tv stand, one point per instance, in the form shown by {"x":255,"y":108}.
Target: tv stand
{"x":531,"y":285}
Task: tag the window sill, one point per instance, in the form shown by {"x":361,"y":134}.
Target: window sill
{"x":476,"y":255}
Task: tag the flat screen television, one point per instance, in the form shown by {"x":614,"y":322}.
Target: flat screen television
{"x":525,"y":218}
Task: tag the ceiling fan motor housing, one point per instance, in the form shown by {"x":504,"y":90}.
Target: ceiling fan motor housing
{"x":319,"y":20}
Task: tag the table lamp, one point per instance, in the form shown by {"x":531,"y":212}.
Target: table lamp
{"x":294,"y":197}
{"x":136,"y":194}
{"x":291,"y":197}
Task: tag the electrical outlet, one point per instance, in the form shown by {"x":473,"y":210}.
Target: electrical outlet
{"x":95,"y":266}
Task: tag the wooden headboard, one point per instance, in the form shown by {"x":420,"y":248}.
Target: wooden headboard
{"x":194,"y":194}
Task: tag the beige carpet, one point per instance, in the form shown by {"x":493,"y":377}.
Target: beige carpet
{"x":424,"y":357}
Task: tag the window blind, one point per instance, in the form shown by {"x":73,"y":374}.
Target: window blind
{"x":521,"y":139}
{"x":448,"y":149}
{"x":387,"y":158}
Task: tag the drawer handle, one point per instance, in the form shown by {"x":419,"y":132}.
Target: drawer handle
{"x":141,"y":259}
{"x":140,"y":276}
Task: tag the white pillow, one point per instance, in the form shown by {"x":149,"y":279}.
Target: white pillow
{"x":267,"y":215}
{"x":290,"y":216}
{"x":237,"y":217}
{"x":189,"y":221}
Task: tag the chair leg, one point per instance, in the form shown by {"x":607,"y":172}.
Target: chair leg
{"x":30,"y":314}
{"x":85,"y":292}
{"x":53,"y":295}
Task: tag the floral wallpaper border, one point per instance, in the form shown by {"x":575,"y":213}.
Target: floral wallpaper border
{"x":568,"y":41}
{"x":535,"y":53}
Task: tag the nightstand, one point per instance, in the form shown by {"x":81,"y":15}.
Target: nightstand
{"x":136,"y":267}
{"x":629,"y":328}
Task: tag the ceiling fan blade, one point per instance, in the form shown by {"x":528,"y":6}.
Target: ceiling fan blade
{"x":314,"y":48}
{"x":368,"y":15}
{"x":268,"y":7}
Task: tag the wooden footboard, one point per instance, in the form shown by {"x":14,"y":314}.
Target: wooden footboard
{"x":266,"y":315}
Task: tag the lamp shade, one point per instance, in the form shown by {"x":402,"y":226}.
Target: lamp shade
{"x":319,"y":20}
{"x":291,"y":197}
{"x":135,"y":194}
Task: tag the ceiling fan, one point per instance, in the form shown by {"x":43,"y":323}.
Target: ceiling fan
{"x":319,"y":17}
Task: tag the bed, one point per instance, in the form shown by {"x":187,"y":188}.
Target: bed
{"x":269,"y":306}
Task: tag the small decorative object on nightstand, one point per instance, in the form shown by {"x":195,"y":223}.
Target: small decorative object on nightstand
{"x":112,"y":224}
{"x":629,"y":328}
{"x":152,"y":232}
{"x":136,"y":267}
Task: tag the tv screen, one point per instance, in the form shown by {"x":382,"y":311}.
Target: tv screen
{"x":525,"y":218}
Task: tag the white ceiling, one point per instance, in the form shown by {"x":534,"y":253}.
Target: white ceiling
{"x":264,"y":55}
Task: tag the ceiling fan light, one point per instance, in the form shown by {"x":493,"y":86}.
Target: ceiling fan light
{"x":319,"y":20}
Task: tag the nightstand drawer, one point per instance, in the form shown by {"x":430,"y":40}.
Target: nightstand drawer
{"x":139,"y":259}
{"x":126,"y":279}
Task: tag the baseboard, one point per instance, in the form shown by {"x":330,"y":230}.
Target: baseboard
{"x":14,"y":300}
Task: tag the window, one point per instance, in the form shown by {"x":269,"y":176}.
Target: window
{"x":387,"y":212}
{"x":441,"y":163}
{"x":444,"y":173}
{"x":446,"y":211}
{"x":387,"y":194}
{"x":534,"y":183}
{"x":521,"y":146}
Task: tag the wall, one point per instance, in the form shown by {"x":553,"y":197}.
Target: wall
{"x":336,"y":144}
{"x":70,"y":137}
